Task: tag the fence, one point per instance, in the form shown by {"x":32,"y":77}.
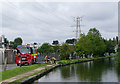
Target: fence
{"x":11,"y":56}
{"x":9,"y":53}
{"x":42,"y":56}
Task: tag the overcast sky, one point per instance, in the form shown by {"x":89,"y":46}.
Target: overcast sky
{"x":47,"y":21}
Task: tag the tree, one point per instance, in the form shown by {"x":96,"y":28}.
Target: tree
{"x":6,"y":42}
{"x":55,"y":48}
{"x":83,"y":46}
{"x":71,"y":41}
{"x":13,"y":44}
{"x":118,"y":54}
{"x":94,"y":32}
{"x":92,"y":43}
{"x":118,"y":50}
{"x":18,"y":41}
{"x":35,"y":43}
{"x":98,"y":46}
{"x":55,"y":42}
{"x":65,"y":51}
{"x":110,"y":46}
{"x":45,"y":48}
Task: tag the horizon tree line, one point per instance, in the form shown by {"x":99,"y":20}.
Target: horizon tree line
{"x":91,"y":44}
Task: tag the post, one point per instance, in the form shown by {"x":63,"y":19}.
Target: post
{"x":3,"y":50}
{"x":5,"y":65}
{"x":4,"y":57}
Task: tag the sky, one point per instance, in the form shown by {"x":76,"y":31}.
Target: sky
{"x":47,"y":21}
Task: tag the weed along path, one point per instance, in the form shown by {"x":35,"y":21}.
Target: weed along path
{"x":24,"y":75}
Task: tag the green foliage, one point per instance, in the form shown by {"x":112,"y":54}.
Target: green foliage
{"x":97,"y":43}
{"x":18,"y":41}
{"x":98,"y":46}
{"x":83,"y":46}
{"x":118,"y":57}
{"x":118,"y":50}
{"x":94,"y":33}
{"x":55,"y":48}
{"x":13,"y":44}
{"x":118,"y":54}
{"x":71,"y":41}
{"x":66,"y":50}
{"x":110,"y":46}
{"x":79,"y":60}
{"x":55,"y":42}
{"x":92,"y":43}
{"x":45,"y":48}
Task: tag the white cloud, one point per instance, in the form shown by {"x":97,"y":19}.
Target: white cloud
{"x":45,"y":22}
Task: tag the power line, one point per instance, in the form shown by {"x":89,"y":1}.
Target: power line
{"x":50,"y":11}
{"x":25,"y":12}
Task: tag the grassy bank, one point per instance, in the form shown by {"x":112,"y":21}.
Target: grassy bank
{"x":81,"y":59}
{"x":62,"y":62}
{"x":13,"y":72}
{"x":43,"y":70}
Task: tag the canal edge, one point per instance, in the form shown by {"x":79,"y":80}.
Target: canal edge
{"x":31,"y":79}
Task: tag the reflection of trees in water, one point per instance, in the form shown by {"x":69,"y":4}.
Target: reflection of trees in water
{"x":110,"y":63}
{"x":67,"y":71}
{"x":91,"y":71}
{"x":118,"y":70}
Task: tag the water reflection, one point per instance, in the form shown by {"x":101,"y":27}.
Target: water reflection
{"x":91,"y":71}
{"x":67,"y":71}
{"x":96,"y":71}
{"x":118,"y":71}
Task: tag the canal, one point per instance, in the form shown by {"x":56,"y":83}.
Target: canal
{"x":104,"y":70}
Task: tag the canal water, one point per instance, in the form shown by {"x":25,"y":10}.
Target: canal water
{"x":105,"y":70}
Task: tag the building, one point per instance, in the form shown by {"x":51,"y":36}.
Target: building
{"x":6,"y":52}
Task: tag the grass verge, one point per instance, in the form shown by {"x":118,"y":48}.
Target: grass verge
{"x":16,"y":81}
{"x":81,"y":59}
{"x":13,"y":72}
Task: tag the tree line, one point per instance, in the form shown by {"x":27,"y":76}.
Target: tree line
{"x":92,"y":44}
{"x":13,"y":44}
